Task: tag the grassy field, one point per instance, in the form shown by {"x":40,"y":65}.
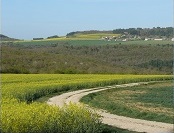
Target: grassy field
{"x":150,"y":102}
{"x":89,"y":41}
{"x":93,"y":36}
{"x":20,"y":114}
{"x":68,"y":41}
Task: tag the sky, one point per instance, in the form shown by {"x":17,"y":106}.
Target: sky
{"x":27,"y":19}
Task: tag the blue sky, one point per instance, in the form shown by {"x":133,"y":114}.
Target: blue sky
{"x":25,"y":19}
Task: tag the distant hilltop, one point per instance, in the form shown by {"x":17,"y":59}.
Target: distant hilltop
{"x":155,"y":32}
{"x":6,"y":38}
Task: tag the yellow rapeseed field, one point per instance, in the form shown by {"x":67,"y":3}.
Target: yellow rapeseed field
{"x":20,"y":114}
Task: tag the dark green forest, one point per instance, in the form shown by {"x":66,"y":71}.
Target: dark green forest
{"x":147,"y":32}
{"x":67,"y":58}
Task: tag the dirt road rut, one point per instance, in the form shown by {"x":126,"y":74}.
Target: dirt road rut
{"x":112,"y":119}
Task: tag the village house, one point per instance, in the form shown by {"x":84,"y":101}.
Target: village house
{"x":160,"y":39}
{"x":146,"y":39}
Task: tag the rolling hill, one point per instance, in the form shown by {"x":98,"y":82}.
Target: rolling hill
{"x":6,"y":38}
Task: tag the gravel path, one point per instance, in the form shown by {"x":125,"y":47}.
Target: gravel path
{"x":112,"y":119}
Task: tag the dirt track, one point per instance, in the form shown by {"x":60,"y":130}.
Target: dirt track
{"x":111,"y":119}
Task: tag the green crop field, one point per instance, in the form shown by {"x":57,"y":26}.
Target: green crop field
{"x":150,"y":102}
{"x":150,"y":42}
{"x":67,"y":41}
{"x":90,"y":39}
{"x":93,"y":36}
{"x":20,"y":114}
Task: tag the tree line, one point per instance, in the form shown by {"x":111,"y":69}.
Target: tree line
{"x":147,"y":32}
{"x":155,"y":31}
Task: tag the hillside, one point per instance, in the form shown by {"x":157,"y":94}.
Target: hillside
{"x":6,"y":38}
{"x":131,"y":33}
{"x":91,"y":52}
{"x":71,"y":58}
{"x":93,"y":36}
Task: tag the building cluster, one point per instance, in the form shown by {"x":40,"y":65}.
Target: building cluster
{"x":133,"y":38}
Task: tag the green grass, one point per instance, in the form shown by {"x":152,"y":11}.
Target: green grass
{"x":151,"y":102}
{"x":66,"y":41}
{"x":111,"y":129}
{"x":150,"y":42}
{"x":93,"y":36}
{"x":88,"y":41}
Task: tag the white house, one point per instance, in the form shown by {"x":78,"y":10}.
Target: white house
{"x":158,"y":39}
{"x":124,"y":40}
